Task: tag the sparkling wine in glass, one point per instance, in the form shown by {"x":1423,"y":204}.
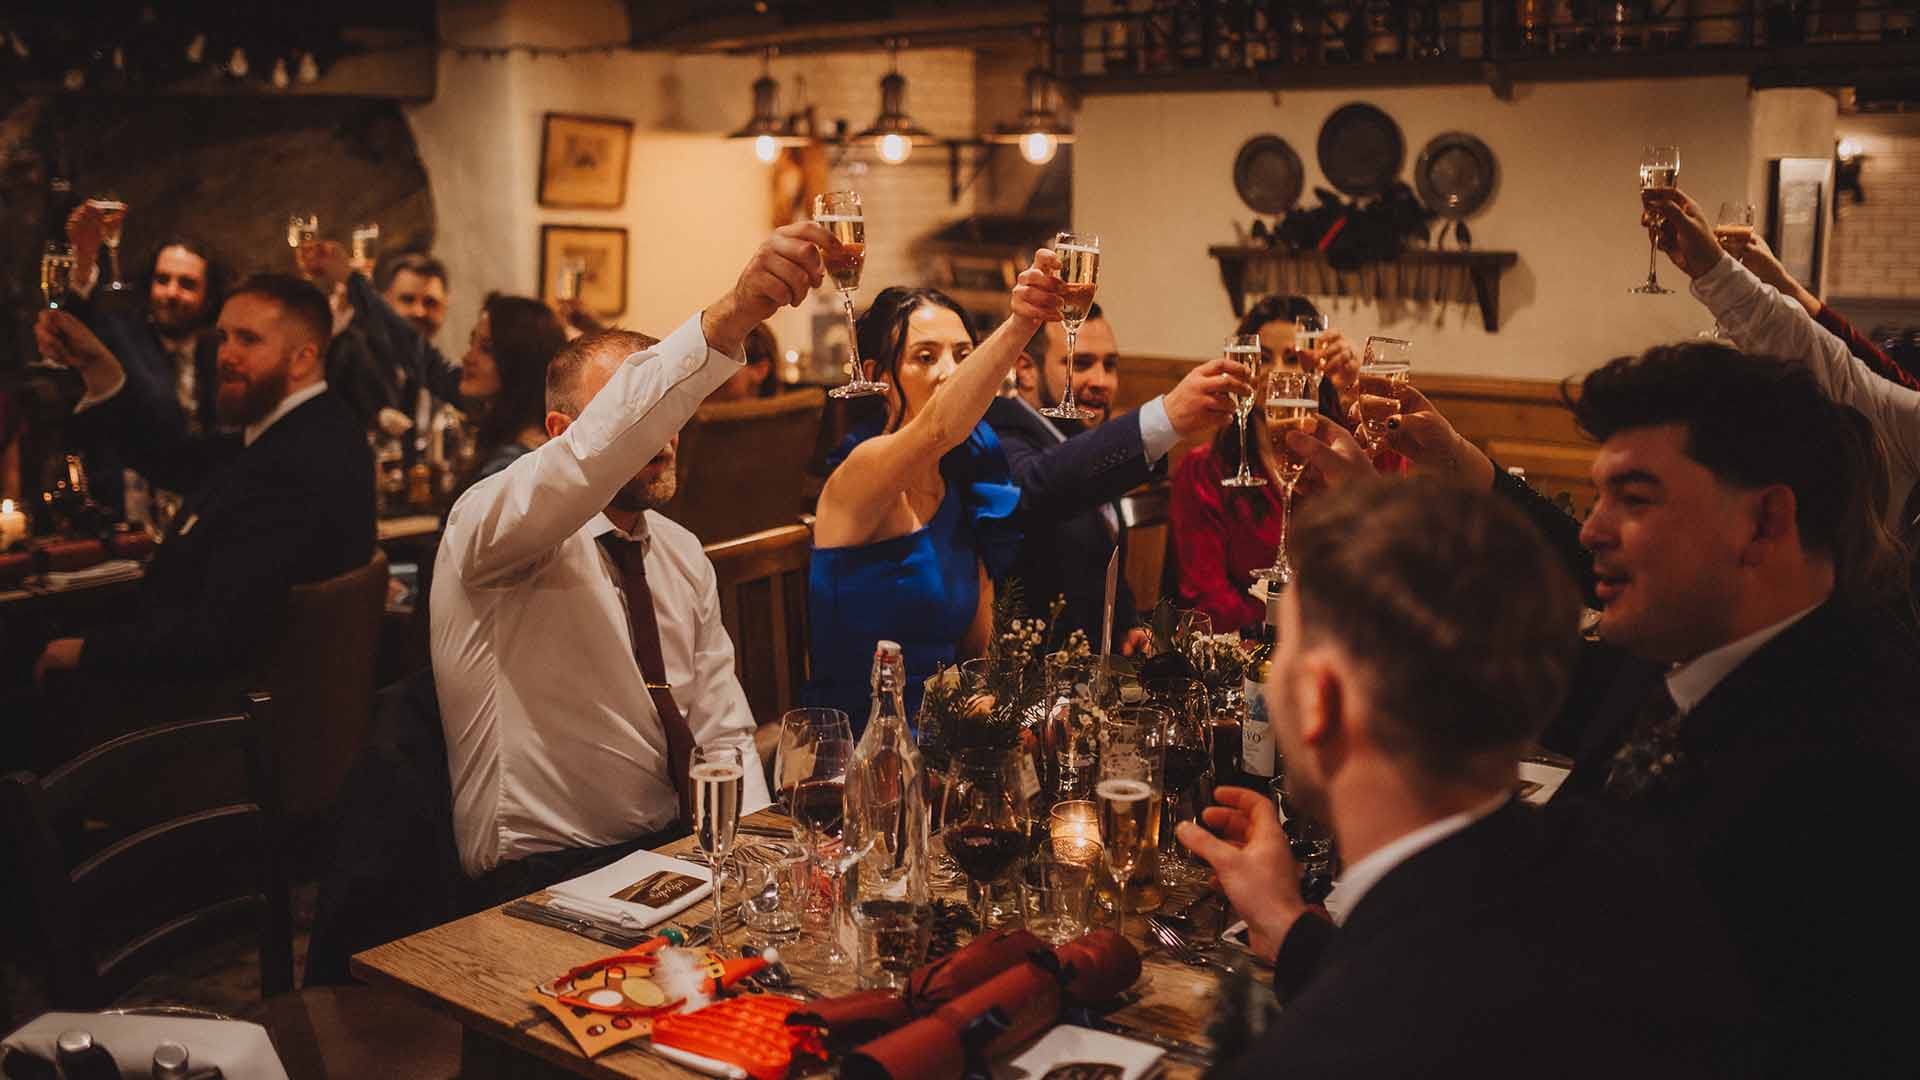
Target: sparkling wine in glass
{"x":1385,"y":368}
{"x":840,"y":214}
{"x":1734,"y":229}
{"x":717,"y":775}
{"x":1659,"y":170}
{"x":1244,"y":348}
{"x":1079,"y":277}
{"x":56,"y":278}
{"x":113,"y":222}
{"x":302,"y":229}
{"x":1128,"y":798}
{"x":810,"y":776}
{"x":1292,"y":404}
{"x":566,"y":285}
{"x":364,"y":246}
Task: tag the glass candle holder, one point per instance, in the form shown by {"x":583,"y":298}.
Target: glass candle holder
{"x":1074,"y":829}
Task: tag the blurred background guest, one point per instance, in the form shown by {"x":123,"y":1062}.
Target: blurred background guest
{"x":503,"y":377}
{"x":756,"y":378}
{"x":414,"y":285}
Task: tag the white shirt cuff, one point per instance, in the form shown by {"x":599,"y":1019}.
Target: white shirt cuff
{"x":90,"y":399}
{"x":1156,"y":431}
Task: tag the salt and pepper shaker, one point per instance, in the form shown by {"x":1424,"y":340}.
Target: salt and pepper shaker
{"x":80,"y":1058}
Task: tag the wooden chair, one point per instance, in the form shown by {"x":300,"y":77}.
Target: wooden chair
{"x":1143,"y":513}
{"x":111,"y":917}
{"x":743,"y":464}
{"x":762,"y":581}
{"x":321,"y":678}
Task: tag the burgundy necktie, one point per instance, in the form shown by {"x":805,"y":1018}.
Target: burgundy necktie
{"x":630,"y":557}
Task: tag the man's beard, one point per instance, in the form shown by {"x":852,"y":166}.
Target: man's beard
{"x":644,"y":494}
{"x":248,"y":401}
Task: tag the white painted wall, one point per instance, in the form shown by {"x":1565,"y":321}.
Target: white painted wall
{"x":1152,"y":176}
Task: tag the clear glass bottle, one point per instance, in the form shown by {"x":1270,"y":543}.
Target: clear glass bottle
{"x":886,"y":823}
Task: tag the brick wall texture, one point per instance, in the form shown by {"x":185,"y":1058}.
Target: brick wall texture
{"x":1876,"y":244}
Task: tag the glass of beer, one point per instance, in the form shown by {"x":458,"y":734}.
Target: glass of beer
{"x":1292,"y":403}
{"x":840,"y":214}
{"x":1245,"y":349}
{"x":1734,"y":229}
{"x":113,"y":221}
{"x":1659,"y":171}
{"x":1080,"y":277}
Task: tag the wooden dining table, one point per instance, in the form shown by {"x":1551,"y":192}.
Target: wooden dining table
{"x":479,"y":969}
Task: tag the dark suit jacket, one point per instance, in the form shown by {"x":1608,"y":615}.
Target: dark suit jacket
{"x":150,"y":374}
{"x":381,"y":361}
{"x":295,"y":507}
{"x":1523,"y":945}
{"x":1792,"y":800}
{"x":1065,"y":545}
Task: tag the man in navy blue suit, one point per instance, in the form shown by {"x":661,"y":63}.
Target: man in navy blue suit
{"x":1070,"y":472}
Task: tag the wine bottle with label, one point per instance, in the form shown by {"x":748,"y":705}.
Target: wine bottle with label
{"x":1256,"y":732}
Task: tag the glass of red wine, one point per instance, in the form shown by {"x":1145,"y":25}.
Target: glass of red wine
{"x":985,"y":830}
{"x":810,"y":780}
{"x":1188,"y":753}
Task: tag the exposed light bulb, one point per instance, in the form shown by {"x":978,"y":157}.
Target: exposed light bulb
{"x":281,"y":80}
{"x":309,"y":71}
{"x":1848,"y":149}
{"x":766,"y":149}
{"x":237,"y":64}
{"x":1038,"y":147}
{"x":197,"y":48}
{"x":76,"y":79}
{"x":895,"y":148}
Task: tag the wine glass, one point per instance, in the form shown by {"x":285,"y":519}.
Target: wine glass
{"x":1659,"y":170}
{"x":810,"y":774}
{"x":1385,"y":367}
{"x":840,"y":214}
{"x":302,"y":229}
{"x":1734,"y":229}
{"x":113,"y":220}
{"x":1244,"y":348}
{"x":1079,"y":277}
{"x":566,"y":285}
{"x":1292,"y":404}
{"x":1132,"y":777}
{"x":717,"y":774}
{"x":985,"y":830}
{"x":365,"y":246}
{"x":1069,"y":734}
{"x":1187,"y":738}
{"x":56,"y":278}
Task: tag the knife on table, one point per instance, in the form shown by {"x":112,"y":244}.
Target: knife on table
{"x":1106,"y":610}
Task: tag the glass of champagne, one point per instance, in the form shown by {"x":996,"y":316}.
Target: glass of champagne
{"x":1079,"y":277}
{"x":56,"y":278}
{"x":365,"y":246}
{"x":1292,"y":404}
{"x":1385,"y":367}
{"x":1734,"y":229}
{"x":810,"y":777}
{"x":840,"y":214}
{"x":302,"y":229}
{"x":113,"y":221}
{"x":1244,"y":348}
{"x":1128,"y":795}
{"x":1659,"y":171}
{"x":717,"y":775}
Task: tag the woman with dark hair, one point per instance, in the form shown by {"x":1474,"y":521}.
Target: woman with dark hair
{"x":915,"y":519}
{"x":503,"y":378}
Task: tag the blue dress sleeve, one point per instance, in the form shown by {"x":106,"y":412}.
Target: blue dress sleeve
{"x":979,"y":468}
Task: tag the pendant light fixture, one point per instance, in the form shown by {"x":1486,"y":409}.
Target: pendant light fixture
{"x":1041,"y":129}
{"x":893,"y":133}
{"x":768,"y":130}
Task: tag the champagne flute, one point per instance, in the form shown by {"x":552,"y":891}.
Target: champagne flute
{"x":302,"y":229}
{"x":1244,"y":348}
{"x":1659,"y":170}
{"x":1734,"y":229}
{"x":840,"y":214}
{"x":1079,"y":277}
{"x":56,"y":278}
{"x":810,"y":774}
{"x":717,"y":775}
{"x":113,"y":220}
{"x":365,"y":246}
{"x":1128,"y":795}
{"x":1385,"y":367}
{"x":1291,"y":405}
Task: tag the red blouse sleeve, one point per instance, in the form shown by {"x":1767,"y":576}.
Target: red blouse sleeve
{"x":1863,"y":347}
{"x":1199,"y":525}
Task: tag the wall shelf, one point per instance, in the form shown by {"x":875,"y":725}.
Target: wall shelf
{"x":1412,"y":275}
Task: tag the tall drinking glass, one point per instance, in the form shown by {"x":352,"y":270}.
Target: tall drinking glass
{"x":717,"y":775}
{"x":1079,"y":278}
{"x":1188,"y":754}
{"x":1385,"y":368}
{"x":1659,"y":170}
{"x":810,"y":777}
{"x":1734,"y":229}
{"x":1244,"y":348}
{"x":365,"y":246}
{"x":56,"y":278}
{"x":985,"y":826}
{"x":302,"y":229}
{"x":1292,"y":404}
{"x":1128,"y":795}
{"x":840,"y":214}
{"x":113,"y":222}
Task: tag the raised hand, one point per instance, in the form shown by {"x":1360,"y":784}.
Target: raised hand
{"x":1252,"y":861}
{"x":1338,"y":360}
{"x":1680,"y":230}
{"x":1037,"y":291}
{"x":66,"y":340}
{"x":84,"y":232}
{"x":783,"y":272}
{"x":1202,"y":399}
{"x":1332,"y":456}
{"x":323,"y":262}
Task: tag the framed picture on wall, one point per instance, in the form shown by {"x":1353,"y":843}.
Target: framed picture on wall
{"x":1797,"y":215}
{"x":585,"y":262}
{"x":583,"y":162}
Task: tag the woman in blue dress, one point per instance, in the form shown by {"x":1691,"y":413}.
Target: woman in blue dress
{"x":917,"y":518}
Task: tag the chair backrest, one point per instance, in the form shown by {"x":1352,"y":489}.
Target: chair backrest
{"x":1143,"y":514}
{"x":762,"y":580}
{"x":110,"y":916}
{"x":321,"y":680}
{"x":743,"y":464}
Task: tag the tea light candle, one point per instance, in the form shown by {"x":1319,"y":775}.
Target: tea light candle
{"x":13,"y":523}
{"x":1076,"y":833}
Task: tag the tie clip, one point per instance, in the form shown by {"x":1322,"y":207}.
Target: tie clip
{"x":659,"y":685}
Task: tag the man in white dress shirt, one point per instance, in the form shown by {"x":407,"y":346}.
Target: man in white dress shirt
{"x":563,"y":754}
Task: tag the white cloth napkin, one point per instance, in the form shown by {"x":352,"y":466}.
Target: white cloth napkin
{"x":592,"y":894}
{"x":1068,"y":1043}
{"x":97,"y":574}
{"x":242,"y":1051}
{"x":1549,"y":777}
